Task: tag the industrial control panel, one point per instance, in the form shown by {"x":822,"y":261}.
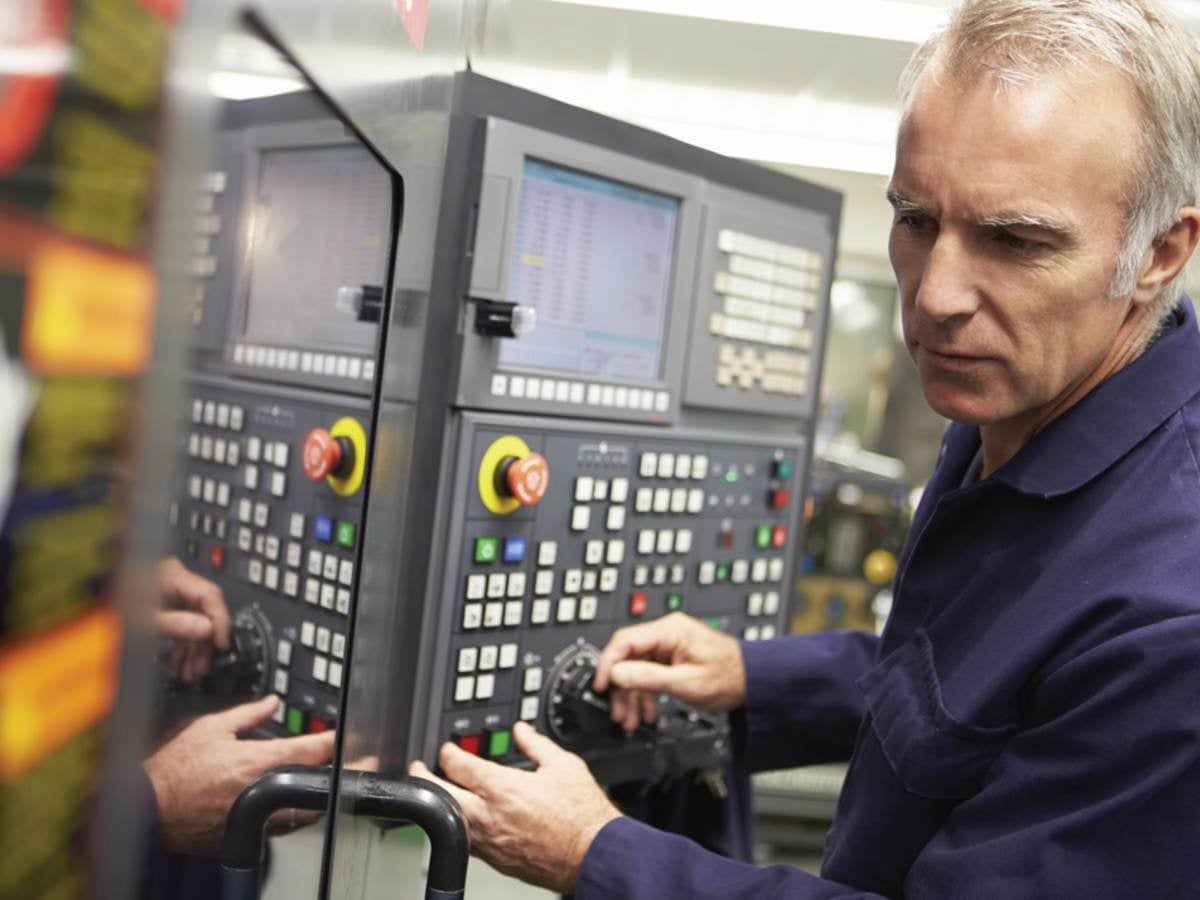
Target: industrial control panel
{"x":570,"y":386}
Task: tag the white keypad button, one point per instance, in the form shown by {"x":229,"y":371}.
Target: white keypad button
{"x":283,"y":652}
{"x":751,"y":633}
{"x":464,"y":689}
{"x":683,"y":465}
{"x":194,"y":445}
{"x":335,"y":674}
{"x":493,"y":615}
{"x":699,"y":467}
{"x":233,"y":453}
{"x":487,"y":657}
{"x":323,"y":637}
{"x":296,"y":526}
{"x":268,"y":452}
{"x":758,"y":570}
{"x":547,"y":553}
{"x":476,"y":586}
{"x":677,"y":574}
{"x":543,"y":582}
{"x":315,"y":559}
{"x":645,"y":541}
{"x":197,"y":411}
{"x":768,"y":632}
{"x":608,"y":580}
{"x":245,"y":510}
{"x":770,"y":603}
{"x":695,"y":501}
{"x":271,"y":578}
{"x":255,"y":571}
{"x":583,"y":489}
{"x":532,"y":680}
{"x":529,"y":708}
{"x":643,"y":500}
{"x":210,"y":490}
{"x":662,"y":500}
{"x":291,"y":584}
{"x":328,"y":593}
{"x":587,"y":608}
{"x":281,"y":454}
{"x":572,"y":580}
{"x":615,"y":520}
{"x":666,"y":465}
{"x":566,"y":610}
{"x":343,"y":602}
{"x":281,"y":681}
{"x":253,"y":448}
{"x":330,"y":568}
{"x":539,"y":612}
{"x":619,"y":490}
{"x":581,"y":518}
{"x":641,"y":576}
{"x":271,"y":547}
{"x":496,"y":584}
{"x":615,"y":553}
{"x":222,"y":494}
{"x":648,"y":465}
{"x":312,"y":591}
{"x":236,"y":417}
{"x":588,"y":582}
{"x":210,"y":412}
{"x":508,"y":656}
{"x":683,"y":540}
{"x":593,"y":553}
{"x":222,"y":415}
{"x":754,"y":604}
{"x":337,"y":646}
{"x":665,"y":541}
{"x":260,"y":544}
{"x":658,"y":575}
{"x":514,"y":610}
{"x":485,"y":687}
{"x":278,"y":484}
{"x":346,"y":572}
{"x":262,"y":514}
{"x":295,"y":554}
{"x":739,"y":571}
{"x":308,"y":634}
{"x":600,"y":489}
{"x":219,"y":451}
{"x":775,"y":570}
{"x":472,"y":616}
{"x":516,"y":584}
{"x":245,"y":539}
{"x":707,"y":572}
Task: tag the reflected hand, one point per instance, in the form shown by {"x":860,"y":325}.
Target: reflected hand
{"x":536,"y":826}
{"x":200,"y":772}
{"x":675,"y":655}
{"x":195,"y":617}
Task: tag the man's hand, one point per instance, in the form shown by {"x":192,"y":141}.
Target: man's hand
{"x":200,"y":772}
{"x":194,"y":614}
{"x":536,"y":826}
{"x":675,"y":655}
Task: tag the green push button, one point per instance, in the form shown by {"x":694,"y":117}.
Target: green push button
{"x":674,"y":602}
{"x":714,"y":622}
{"x":191,"y":549}
{"x":498,"y":743}
{"x":486,"y":549}
{"x":722,"y":571}
{"x":784,"y":468}
{"x":295,"y":720}
{"x":762,"y":537}
{"x":346,"y":534}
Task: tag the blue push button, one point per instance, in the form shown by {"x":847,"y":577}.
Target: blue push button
{"x":323,"y":528}
{"x":514,"y":549}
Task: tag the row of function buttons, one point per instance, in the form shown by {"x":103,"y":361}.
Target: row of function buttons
{"x":722,"y":325}
{"x":758,"y":632}
{"x":749,"y":368}
{"x":511,"y":613}
{"x":325,"y":669}
{"x":228,"y":451}
{"x":475,"y":667}
{"x":219,"y":415}
{"x":354,"y":368}
{"x":552,"y":390}
{"x":738,"y":242}
{"x":739,"y":571}
{"x":673,"y":465}
{"x":198,"y":521}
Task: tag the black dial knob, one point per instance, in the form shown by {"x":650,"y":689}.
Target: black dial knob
{"x":241,"y":672}
{"x":575,"y":714}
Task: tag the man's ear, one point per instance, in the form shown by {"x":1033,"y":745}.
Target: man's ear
{"x":1168,"y":256}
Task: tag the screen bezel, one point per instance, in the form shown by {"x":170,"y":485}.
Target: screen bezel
{"x":508,"y":146}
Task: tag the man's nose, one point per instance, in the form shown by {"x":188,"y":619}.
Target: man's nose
{"x":948,"y":284}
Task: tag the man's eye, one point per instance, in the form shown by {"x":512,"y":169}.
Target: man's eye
{"x":1016,"y":242}
{"x":914,"y":223}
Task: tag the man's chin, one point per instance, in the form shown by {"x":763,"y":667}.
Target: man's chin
{"x":961,"y":406}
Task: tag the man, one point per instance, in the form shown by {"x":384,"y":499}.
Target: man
{"x":1027,"y":726}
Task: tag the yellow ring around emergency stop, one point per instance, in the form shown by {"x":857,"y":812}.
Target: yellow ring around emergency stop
{"x":350,"y":429}
{"x":509,"y":445}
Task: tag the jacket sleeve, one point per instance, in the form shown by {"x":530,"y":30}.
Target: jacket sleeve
{"x":1096,"y":795}
{"x":802,"y":703}
{"x":631,"y":861}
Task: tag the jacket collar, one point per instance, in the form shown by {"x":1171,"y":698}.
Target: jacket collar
{"x":1106,"y":424}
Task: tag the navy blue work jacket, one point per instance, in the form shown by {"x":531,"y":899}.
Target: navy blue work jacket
{"x":1028,"y":726}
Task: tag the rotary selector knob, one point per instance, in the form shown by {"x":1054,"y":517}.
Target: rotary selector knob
{"x":241,"y":672}
{"x":575,"y":714}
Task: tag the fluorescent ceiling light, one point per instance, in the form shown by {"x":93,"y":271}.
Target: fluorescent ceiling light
{"x":795,"y":129}
{"x":890,"y":20}
{"x":244,"y":86}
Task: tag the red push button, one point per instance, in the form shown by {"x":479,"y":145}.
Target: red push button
{"x":468,"y":742}
{"x":725,"y":538}
{"x":322,"y":454}
{"x":638,"y":601}
{"x":779,"y":536}
{"x":316,"y":726}
{"x":780,"y":498}
{"x":528,"y":479}
{"x":216,"y":557}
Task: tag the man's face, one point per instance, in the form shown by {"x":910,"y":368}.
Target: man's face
{"x":1009,"y":215}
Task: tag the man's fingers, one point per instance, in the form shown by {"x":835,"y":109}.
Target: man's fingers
{"x":183,"y":625}
{"x":651,"y":639}
{"x":537,"y":747}
{"x":471,"y":805}
{"x":204,"y":595}
{"x":308,"y":749}
{"x":467,"y":769}
{"x":649,"y":708}
{"x":636,"y":675}
{"x":247,"y":715}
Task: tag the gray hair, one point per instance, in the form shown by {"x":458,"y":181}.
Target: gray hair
{"x":1016,"y":40}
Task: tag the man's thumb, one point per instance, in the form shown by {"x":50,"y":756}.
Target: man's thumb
{"x":639,"y":675}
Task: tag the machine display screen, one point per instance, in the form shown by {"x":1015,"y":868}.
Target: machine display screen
{"x":593,"y":257}
{"x":321,"y":221}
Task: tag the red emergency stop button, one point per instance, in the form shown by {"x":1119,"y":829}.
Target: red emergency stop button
{"x":326,"y":455}
{"x":527,"y":479}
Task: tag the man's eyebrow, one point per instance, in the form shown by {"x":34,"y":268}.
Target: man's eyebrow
{"x":1061,"y":230}
{"x":903,"y":204}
